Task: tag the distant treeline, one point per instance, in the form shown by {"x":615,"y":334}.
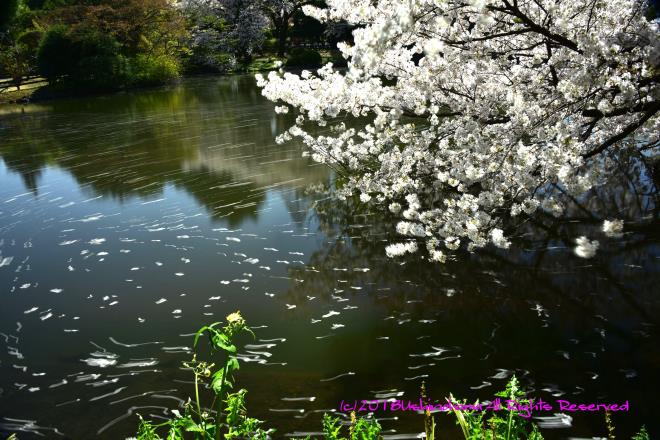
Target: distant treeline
{"x":110,"y":44}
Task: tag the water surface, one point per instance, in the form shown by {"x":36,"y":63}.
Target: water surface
{"x":128,"y":221}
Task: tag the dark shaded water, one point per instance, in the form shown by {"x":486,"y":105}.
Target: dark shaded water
{"x":128,"y":221}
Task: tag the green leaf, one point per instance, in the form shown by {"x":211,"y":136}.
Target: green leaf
{"x":222,"y":342}
{"x":642,"y":434}
{"x":194,"y":428}
{"x":199,"y":333}
{"x":146,"y":430}
{"x":365,"y":429}
{"x":232,"y":364}
{"x":216,"y":382}
{"x":331,"y":427}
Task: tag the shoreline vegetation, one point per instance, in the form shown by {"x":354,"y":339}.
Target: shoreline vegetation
{"x":54,"y":49}
{"x":37,"y":89}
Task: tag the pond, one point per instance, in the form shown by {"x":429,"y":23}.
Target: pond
{"x":128,"y":221}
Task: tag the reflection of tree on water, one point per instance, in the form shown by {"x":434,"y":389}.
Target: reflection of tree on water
{"x":214,"y":139}
{"x":543,"y":251}
{"x":26,"y":162}
{"x":536,"y":307}
{"x":359,"y":239}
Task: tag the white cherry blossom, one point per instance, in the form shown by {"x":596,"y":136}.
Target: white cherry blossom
{"x":585,"y":248}
{"x":613,"y":228}
{"x":469,"y":113}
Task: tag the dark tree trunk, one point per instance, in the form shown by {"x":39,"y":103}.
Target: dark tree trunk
{"x":282,"y":34}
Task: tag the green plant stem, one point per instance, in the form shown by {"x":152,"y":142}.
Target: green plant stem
{"x":199,"y":408}
{"x":218,"y":435}
{"x":199,"y":411}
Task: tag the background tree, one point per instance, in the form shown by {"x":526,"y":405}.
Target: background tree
{"x":246,"y":24}
{"x":225,"y":27}
{"x":280,"y":13}
{"x":8,"y":9}
{"x":110,"y":44}
{"x":18,"y":41}
{"x":15,"y":60}
{"x":306,"y":28}
{"x":206,"y":27}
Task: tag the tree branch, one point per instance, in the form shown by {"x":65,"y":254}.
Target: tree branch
{"x":514,"y":11}
{"x":626,"y":131}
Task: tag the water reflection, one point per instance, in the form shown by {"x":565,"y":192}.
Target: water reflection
{"x":575,"y":329}
{"x":128,"y":221}
{"x":214,"y":139}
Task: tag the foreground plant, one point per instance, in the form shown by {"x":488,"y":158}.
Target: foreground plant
{"x":227,"y":418}
{"x":196,"y":420}
{"x":230,"y":419}
{"x":360,"y":428}
{"x":642,"y":434}
{"x":476,"y":112}
{"x":478,"y":425}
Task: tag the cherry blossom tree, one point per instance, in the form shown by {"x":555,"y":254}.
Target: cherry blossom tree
{"x":232,"y":26}
{"x":478,"y":111}
{"x":247,"y":24}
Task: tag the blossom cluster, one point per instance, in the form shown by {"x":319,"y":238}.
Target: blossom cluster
{"x":475,"y":108}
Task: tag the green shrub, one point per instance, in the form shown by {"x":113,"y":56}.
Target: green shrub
{"x":642,"y":434}
{"x":102,"y":72}
{"x":55,"y":54}
{"x":93,"y":60}
{"x":90,"y":60}
{"x":301,"y":57}
{"x":38,"y":5}
{"x":218,"y":62}
{"x":35,"y":4}
{"x":30,"y":38}
{"x":154,"y":69}
{"x":15,"y":62}
{"x":100,"y":64}
{"x":225,"y":62}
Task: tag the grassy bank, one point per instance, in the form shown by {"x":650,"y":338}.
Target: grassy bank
{"x":10,"y":93}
